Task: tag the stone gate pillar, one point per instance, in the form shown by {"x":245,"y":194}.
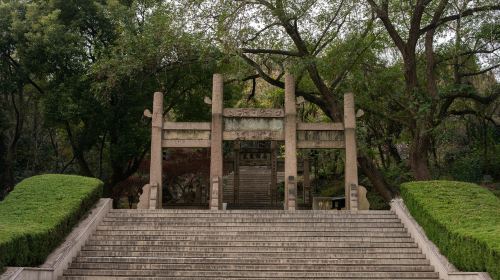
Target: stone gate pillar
{"x":351,"y":167}
{"x":290,"y":143}
{"x":156,"y":168}
{"x":216,"y":159}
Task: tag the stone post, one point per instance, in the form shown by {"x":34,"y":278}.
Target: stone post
{"x":290,"y":138}
{"x":351,"y":167}
{"x":274,"y":174}
{"x":236,"y":183}
{"x":307,"y":183}
{"x":216,"y":159}
{"x":155,"y":169}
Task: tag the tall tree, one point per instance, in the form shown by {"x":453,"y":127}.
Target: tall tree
{"x":428,"y":105}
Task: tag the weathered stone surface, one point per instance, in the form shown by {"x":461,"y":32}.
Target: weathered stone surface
{"x":239,"y":124}
{"x":253,"y":113}
{"x":363,"y":203}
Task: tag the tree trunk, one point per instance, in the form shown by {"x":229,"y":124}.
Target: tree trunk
{"x":370,"y":170}
{"x":419,"y":162}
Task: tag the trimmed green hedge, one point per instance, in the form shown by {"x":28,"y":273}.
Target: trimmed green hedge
{"x":37,"y":215}
{"x":462,"y":219}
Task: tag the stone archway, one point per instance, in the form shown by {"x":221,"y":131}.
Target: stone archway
{"x":242,"y":124}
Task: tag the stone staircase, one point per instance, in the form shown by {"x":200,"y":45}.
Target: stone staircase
{"x":254,"y":189}
{"x":250,"y":244}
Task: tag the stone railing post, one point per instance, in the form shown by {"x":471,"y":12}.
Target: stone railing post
{"x":290,"y":137}
{"x":216,"y":159}
{"x":351,"y":167}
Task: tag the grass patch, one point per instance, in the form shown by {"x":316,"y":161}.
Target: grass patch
{"x":40,"y":211}
{"x":462,"y":219}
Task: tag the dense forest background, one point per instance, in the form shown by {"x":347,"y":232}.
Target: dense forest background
{"x":76,"y":75}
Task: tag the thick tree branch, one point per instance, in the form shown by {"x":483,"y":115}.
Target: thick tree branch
{"x":383,"y":14}
{"x":464,"y":13}
{"x":472,"y":112}
{"x":263,"y":74}
{"x":270,"y":51}
{"x":479,"y":72}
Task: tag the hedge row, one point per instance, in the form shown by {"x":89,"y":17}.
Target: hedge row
{"x":37,"y":215}
{"x":462,"y":219}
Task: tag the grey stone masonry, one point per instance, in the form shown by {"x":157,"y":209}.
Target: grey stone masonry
{"x":250,"y":244}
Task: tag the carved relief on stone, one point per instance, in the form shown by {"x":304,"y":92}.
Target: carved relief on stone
{"x":238,"y":124}
{"x":253,"y":135}
{"x":253,"y":113}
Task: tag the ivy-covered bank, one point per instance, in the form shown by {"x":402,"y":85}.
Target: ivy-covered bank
{"x":40,"y":211}
{"x":462,"y":219}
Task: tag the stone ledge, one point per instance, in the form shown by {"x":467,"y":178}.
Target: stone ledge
{"x":445,"y":269}
{"x":60,"y":258}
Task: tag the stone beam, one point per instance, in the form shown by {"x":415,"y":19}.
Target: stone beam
{"x":252,"y":135}
{"x":186,"y":126}
{"x":177,"y":143}
{"x":320,"y":126}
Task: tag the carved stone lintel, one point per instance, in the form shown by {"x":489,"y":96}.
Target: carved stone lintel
{"x":253,"y":113}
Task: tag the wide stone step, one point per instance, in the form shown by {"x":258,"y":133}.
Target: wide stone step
{"x":264,"y":225}
{"x":251,"y":212}
{"x":259,"y":221}
{"x":260,"y":274}
{"x":260,"y":261}
{"x":278,"y":215}
{"x":245,"y":249}
{"x":209,"y":277}
{"x":259,"y":267}
{"x":222,"y":229}
{"x":238,"y":243}
{"x":395,"y":232}
{"x":250,"y":244}
{"x":262,"y":255}
{"x":248,"y":238}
